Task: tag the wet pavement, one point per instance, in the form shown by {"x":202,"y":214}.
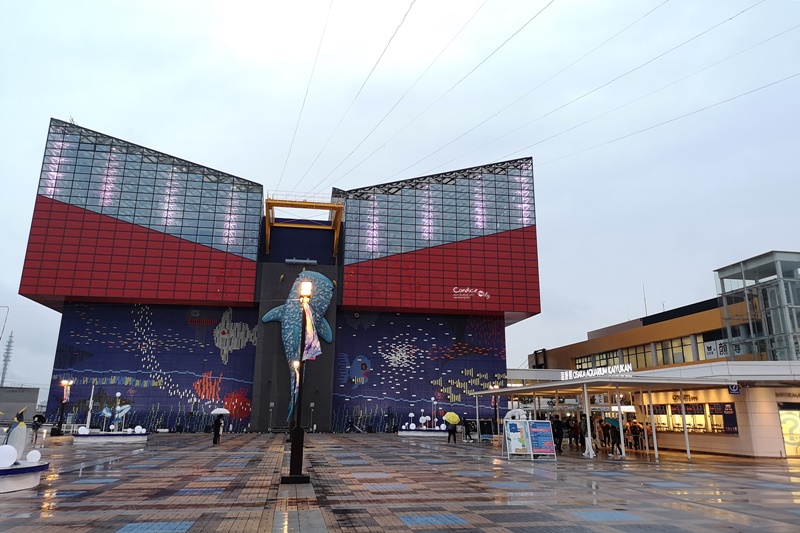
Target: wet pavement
{"x":381,"y":482}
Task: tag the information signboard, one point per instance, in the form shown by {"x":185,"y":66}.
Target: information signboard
{"x":541,"y":437}
{"x":486,"y":430}
{"x":516,"y":437}
{"x":528,"y":437}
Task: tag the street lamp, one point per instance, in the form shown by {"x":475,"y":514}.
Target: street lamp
{"x":297,"y":434}
{"x":66,"y":383}
{"x":116,"y":413}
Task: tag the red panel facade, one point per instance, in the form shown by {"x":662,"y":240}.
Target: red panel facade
{"x":78,"y":254}
{"x":497,"y":273}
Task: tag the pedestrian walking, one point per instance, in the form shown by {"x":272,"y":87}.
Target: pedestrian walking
{"x":217,"y":430}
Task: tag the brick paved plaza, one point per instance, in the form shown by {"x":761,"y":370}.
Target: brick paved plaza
{"x":380,"y":482}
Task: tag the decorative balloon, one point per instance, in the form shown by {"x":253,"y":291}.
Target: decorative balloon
{"x":83,"y":431}
{"x":34,"y":456}
{"x":8,"y":455}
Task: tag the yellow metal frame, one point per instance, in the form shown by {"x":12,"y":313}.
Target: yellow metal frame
{"x":334,"y":223}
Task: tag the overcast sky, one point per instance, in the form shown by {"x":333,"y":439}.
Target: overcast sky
{"x":664,"y":134}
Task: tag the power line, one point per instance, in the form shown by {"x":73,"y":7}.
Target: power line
{"x":302,"y":107}
{"x":672,"y":119}
{"x":606,"y":84}
{"x":487,"y":119}
{"x":447,"y":91}
{"x":321,"y":182}
{"x":644,"y":96}
{"x":357,"y":94}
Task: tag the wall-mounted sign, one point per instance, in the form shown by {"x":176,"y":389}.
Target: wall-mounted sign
{"x":733,"y":389}
{"x":465,"y":293}
{"x":594,"y":372}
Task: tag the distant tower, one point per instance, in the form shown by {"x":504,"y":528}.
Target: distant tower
{"x":7,"y":358}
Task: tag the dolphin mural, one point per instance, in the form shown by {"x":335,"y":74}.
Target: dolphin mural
{"x":290,"y":315}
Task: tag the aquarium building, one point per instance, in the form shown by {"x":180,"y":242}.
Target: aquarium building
{"x":164,"y":272}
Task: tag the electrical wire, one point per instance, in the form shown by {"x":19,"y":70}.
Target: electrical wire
{"x":357,"y":94}
{"x":606,"y":84}
{"x":511,"y":154}
{"x":305,"y":97}
{"x":448,"y":91}
{"x":320,"y":184}
{"x":671,"y":120}
{"x":548,"y":80}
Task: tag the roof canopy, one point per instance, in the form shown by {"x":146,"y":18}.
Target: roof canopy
{"x":605,"y":384}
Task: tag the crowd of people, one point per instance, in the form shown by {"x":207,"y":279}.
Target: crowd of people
{"x":604,"y":435}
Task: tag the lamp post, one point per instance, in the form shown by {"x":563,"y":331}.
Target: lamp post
{"x":58,"y":431}
{"x":296,"y":475}
{"x":116,"y":413}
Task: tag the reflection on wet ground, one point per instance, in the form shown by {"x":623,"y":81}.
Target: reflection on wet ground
{"x":380,"y":482}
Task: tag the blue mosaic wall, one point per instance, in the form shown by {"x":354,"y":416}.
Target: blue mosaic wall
{"x":171,"y":364}
{"x":390,"y":365}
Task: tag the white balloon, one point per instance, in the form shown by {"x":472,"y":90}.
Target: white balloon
{"x":129,"y":431}
{"x":138,"y":429}
{"x":8,"y":455}
{"x":111,"y":427}
{"x":443,"y":426}
{"x":83,"y":431}
{"x":412,"y":425}
{"x":34,"y":456}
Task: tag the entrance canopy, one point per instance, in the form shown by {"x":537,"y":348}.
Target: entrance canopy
{"x":612,"y":385}
{"x":608,"y":384}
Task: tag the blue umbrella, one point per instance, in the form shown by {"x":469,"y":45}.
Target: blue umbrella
{"x":613,"y":421}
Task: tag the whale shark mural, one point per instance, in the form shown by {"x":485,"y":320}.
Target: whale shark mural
{"x":290,"y":315}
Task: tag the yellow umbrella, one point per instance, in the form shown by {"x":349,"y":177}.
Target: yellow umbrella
{"x":451,"y":418}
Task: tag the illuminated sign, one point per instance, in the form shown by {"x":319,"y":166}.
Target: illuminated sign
{"x":595,"y":372}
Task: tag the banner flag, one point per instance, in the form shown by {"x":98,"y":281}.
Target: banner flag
{"x":311,"y":348}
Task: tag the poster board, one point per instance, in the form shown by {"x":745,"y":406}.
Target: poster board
{"x":515,"y":435}
{"x":540,"y":435}
{"x":486,"y":430}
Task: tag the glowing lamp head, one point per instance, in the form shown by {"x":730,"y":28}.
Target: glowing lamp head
{"x":296,"y":364}
{"x":305,"y":289}
{"x":66,"y":382}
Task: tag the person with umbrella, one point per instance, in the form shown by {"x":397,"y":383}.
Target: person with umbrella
{"x":451,"y":421}
{"x":218,"y":424}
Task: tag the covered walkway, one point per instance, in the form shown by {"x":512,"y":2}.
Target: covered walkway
{"x":614,"y":386}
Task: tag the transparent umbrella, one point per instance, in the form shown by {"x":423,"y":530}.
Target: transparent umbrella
{"x":220,"y":411}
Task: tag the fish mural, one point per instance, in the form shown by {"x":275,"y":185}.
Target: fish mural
{"x":290,"y":315}
{"x":230,"y":335}
{"x":359,"y":369}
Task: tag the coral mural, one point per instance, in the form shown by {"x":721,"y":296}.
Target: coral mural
{"x":165,"y":361}
{"x":397,"y":362}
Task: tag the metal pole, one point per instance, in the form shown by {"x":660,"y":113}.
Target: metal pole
{"x":621,"y":426}
{"x":652,"y":422}
{"x":589,"y":452}
{"x":685,"y":429}
{"x":478,"y":419}
{"x":298,"y":435}
{"x":646,"y":440}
